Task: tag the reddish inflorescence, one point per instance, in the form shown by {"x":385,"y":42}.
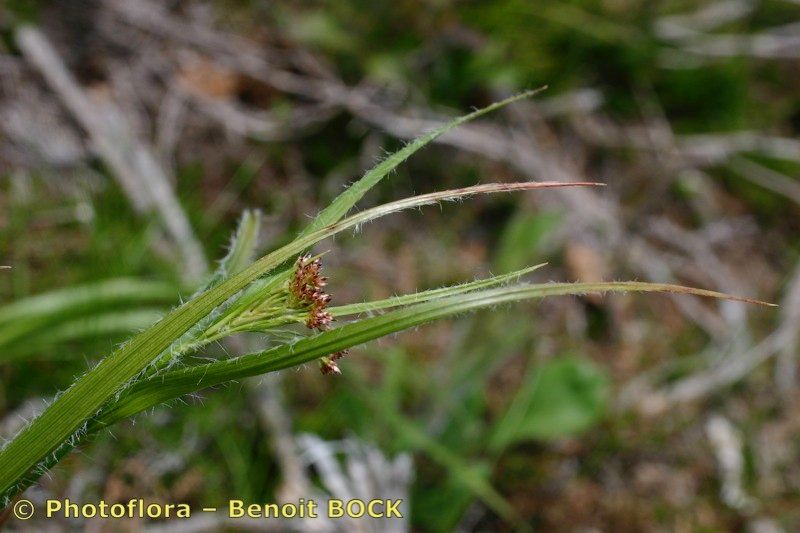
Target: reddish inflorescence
{"x":306,"y":286}
{"x":327,"y":365}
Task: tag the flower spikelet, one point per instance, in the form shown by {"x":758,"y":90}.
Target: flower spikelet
{"x":307,"y":287}
{"x":327,"y":365}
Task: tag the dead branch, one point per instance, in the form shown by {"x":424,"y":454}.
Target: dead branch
{"x":131,"y":161}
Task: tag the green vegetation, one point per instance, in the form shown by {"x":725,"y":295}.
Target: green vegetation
{"x":140,"y":374}
{"x":552,"y":412}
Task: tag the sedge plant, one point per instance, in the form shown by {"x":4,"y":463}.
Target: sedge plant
{"x":283,"y":296}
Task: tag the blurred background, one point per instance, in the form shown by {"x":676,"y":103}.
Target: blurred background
{"x":133,"y":134}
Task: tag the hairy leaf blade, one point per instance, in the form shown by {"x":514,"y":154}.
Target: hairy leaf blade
{"x":176,"y":383}
{"x":88,"y":394}
{"x":346,"y":200}
{"x":424,"y":296}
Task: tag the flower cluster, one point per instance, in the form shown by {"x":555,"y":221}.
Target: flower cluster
{"x":306,"y":287}
{"x":327,"y":365}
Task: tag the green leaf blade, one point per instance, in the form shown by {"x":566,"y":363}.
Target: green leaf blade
{"x":346,"y":200}
{"x":165,"y":387}
{"x":86,"y":397}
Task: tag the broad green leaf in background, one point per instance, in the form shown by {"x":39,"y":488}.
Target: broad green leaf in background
{"x":521,"y":241}
{"x":562,"y":397}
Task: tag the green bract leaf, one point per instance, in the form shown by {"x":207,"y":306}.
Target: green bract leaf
{"x":68,"y":413}
{"x":425,"y":296}
{"x":138,"y":376}
{"x":345,"y":201}
{"x":172,"y":384}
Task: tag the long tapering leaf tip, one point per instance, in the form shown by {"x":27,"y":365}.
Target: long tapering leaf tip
{"x":576,"y":183}
{"x":518,"y":186}
{"x":721,"y":295}
{"x":756,"y":302}
{"x":633,"y":286}
{"x":521,"y":185}
{"x":513,"y":98}
{"x":532,"y":92}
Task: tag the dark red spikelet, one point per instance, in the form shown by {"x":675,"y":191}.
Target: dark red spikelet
{"x":306,"y":286}
{"x":327,"y":365}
